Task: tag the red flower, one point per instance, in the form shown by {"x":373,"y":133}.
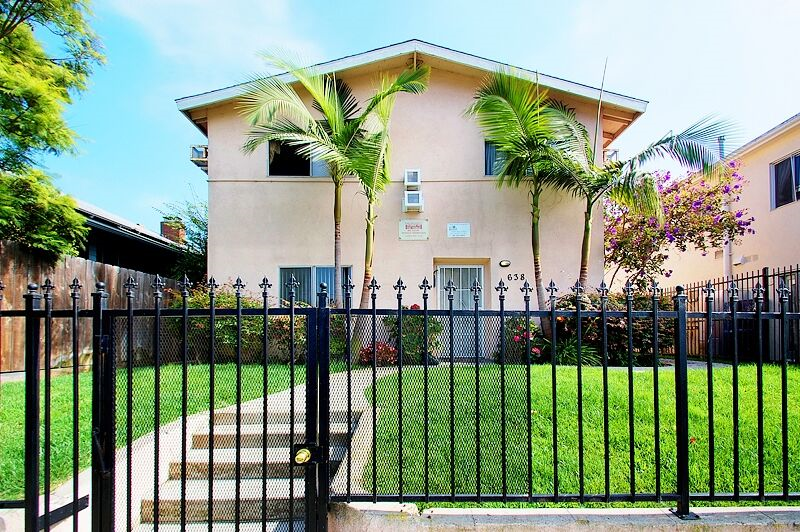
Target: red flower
{"x":536,"y":351}
{"x":516,"y":338}
{"x":692,"y":440}
{"x":414,"y":307}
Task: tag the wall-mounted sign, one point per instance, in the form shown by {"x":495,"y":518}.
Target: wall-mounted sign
{"x":414,"y":230}
{"x":458,"y":230}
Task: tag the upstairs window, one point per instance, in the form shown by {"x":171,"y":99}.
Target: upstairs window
{"x":492,"y":159}
{"x":284,"y":161}
{"x":786,"y":181}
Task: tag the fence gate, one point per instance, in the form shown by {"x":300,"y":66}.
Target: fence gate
{"x":236,"y":394}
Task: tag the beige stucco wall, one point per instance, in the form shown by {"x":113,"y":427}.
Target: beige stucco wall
{"x":776,"y":242}
{"x":259,"y":223}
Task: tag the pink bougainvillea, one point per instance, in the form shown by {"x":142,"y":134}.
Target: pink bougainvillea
{"x":699,"y":213}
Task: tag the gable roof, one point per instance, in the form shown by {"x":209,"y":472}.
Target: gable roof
{"x":635,"y":106}
{"x":105,"y":221}
{"x":766,"y":137}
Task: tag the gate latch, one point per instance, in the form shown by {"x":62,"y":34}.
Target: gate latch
{"x":306,"y":454}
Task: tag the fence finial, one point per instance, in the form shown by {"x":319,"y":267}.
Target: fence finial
{"x":709,"y":290}
{"x":628,"y":289}
{"x":373,"y":288}
{"x":733,"y":290}
{"x":47,"y":288}
{"x":184,"y":285}
{"x":348,"y":286}
{"x":552,"y":289}
{"x":129,"y":286}
{"x":783,"y":290}
{"x":399,"y":286}
{"x":502,"y":289}
{"x":758,"y":292}
{"x":239,"y":286}
{"x":265,"y":285}
{"x":577,"y":288}
{"x":292,"y":285}
{"x":603,"y":289}
{"x":425,"y":286}
{"x":450,"y":287}
{"x":526,"y":290}
{"x":654,"y":289}
{"x":476,"y":290}
{"x":157,"y":285}
{"x":212,"y":286}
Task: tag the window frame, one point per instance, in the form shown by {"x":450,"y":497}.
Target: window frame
{"x":314,"y":280}
{"x":793,"y":166}
{"x":310,"y":170}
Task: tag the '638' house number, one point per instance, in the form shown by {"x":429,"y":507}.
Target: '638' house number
{"x":516,"y":276}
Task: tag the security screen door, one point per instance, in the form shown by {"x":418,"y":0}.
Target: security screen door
{"x":463,"y":326}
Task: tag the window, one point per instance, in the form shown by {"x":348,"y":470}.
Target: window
{"x":285,"y":161}
{"x":492,"y":159}
{"x":309,"y":278}
{"x":786,"y":181}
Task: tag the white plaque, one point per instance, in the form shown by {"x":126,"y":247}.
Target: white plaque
{"x":413,"y":230}
{"x":458,"y":230}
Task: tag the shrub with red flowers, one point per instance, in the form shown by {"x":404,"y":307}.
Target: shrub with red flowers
{"x":698,"y":212}
{"x":517,"y":331}
{"x":386,"y":355}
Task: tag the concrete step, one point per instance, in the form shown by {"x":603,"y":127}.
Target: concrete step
{"x":275,"y":501}
{"x":256,"y":417}
{"x":278,"y":459}
{"x":278,"y":435}
{"x":272,"y":526}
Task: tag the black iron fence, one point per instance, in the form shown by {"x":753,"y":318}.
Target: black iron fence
{"x":247,"y":412}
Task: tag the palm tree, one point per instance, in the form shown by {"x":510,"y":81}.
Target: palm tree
{"x":514,"y":117}
{"x":626,"y":182}
{"x":276,"y":113}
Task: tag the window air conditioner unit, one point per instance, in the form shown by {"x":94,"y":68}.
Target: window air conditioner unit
{"x":412,"y":201}
{"x":411,"y":179}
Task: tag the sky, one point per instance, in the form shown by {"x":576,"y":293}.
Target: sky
{"x":734,"y":59}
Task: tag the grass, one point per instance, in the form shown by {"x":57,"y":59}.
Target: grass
{"x":567,"y":416}
{"x":12,"y":419}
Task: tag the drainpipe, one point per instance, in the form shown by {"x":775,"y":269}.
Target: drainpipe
{"x":727,"y":255}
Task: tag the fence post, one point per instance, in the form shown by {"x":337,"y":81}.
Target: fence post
{"x":103,"y":401}
{"x":681,"y":406}
{"x":32,"y":338}
{"x":323,"y":436}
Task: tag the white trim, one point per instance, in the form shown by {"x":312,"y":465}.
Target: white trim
{"x":766,"y":137}
{"x":773,"y":186}
{"x":629,"y":103}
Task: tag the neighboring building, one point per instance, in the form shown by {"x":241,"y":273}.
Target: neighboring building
{"x":118,"y":242}
{"x":272,"y":214}
{"x":771,"y":165}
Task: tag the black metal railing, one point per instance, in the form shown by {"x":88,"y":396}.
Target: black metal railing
{"x":592,"y":399}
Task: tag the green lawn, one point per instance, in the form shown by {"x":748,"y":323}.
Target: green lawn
{"x":516,"y":424}
{"x":12,"y":408}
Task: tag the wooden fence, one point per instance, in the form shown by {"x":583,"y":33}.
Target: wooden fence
{"x":19,"y":267}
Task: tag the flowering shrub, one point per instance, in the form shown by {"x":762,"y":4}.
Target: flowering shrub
{"x":697,"y":212}
{"x":517,"y":331}
{"x":413,"y":337}
{"x":386,"y":354}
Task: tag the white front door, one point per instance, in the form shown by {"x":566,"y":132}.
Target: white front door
{"x":463,"y":278}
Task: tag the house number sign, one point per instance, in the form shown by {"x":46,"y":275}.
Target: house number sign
{"x":458,"y":230}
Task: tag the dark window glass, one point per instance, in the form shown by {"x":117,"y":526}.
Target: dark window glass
{"x":284,"y":161}
{"x":304,"y":292}
{"x":784,"y":183}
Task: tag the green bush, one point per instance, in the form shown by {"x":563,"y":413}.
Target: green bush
{"x":516,"y":332}
{"x":617,"y":337}
{"x":226,"y":330}
{"x":413,"y":337}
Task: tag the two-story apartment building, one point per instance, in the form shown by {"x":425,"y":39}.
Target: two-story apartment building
{"x":270,"y":213}
{"x":771,"y":165}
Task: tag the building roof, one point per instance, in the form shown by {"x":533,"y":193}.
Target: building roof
{"x":635,"y":106}
{"x":106,"y":221}
{"x":766,"y":137}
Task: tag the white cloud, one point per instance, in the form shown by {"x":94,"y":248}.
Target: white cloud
{"x":218,"y":40}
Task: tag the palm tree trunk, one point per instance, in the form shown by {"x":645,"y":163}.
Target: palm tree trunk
{"x":586,"y":248}
{"x":337,"y":243}
{"x":537,"y":258}
{"x":369,"y":251}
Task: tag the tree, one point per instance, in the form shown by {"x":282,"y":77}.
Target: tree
{"x":34,"y":213}
{"x":697,"y":212}
{"x":514,"y":117}
{"x":625,"y":181}
{"x":192,"y":216}
{"x":277,"y":114}
{"x":34,"y":86}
